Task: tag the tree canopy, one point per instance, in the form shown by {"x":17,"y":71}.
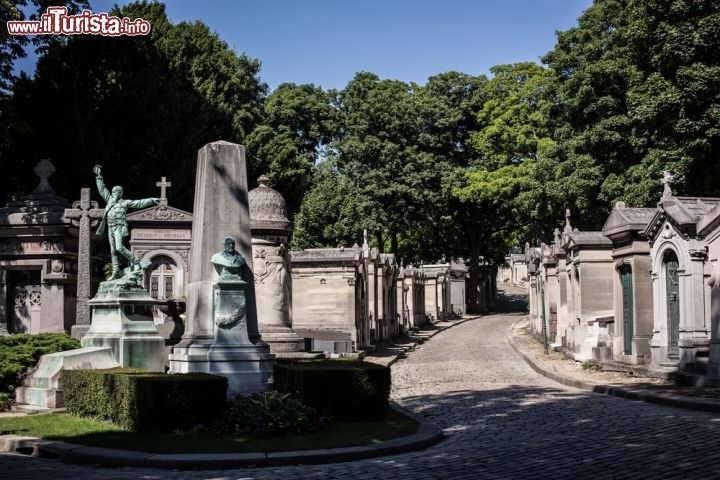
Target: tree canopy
{"x":141,"y":106}
{"x":463,"y":166}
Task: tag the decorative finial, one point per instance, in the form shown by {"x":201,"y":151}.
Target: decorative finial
{"x":567,"y":228}
{"x":263,"y":180}
{"x":666,"y":181}
{"x":44,"y":169}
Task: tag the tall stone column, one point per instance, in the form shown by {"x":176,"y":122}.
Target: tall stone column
{"x":271,"y":229}
{"x":220,"y":211}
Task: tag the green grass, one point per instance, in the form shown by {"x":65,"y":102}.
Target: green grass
{"x":84,"y":431}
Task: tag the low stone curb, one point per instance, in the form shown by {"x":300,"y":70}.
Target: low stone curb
{"x":428,"y":434}
{"x":638,"y":394}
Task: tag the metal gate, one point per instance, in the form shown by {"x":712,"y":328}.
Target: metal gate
{"x":672,"y":292}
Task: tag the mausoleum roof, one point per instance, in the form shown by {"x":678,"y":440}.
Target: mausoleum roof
{"x":578,"y":239}
{"x":622,"y":220}
{"x":267,"y":209}
{"x":685,"y":212}
{"x":710,"y":221}
{"x":324,"y":255}
{"x":160,"y":213}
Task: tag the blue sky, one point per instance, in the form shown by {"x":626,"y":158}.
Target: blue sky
{"x":325,"y":42}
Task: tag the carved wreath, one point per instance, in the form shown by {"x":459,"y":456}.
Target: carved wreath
{"x":231,"y":319}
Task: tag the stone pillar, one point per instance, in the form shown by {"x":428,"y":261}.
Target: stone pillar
{"x":270,"y":230}
{"x":221,"y":210}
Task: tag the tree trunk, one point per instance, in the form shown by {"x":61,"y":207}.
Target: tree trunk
{"x":473,"y":286}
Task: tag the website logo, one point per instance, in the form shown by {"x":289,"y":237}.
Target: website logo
{"x":57,"y":22}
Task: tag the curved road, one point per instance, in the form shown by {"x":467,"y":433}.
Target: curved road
{"x":501,"y":419}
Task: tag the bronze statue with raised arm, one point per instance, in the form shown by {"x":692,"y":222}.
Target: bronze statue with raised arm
{"x":115,"y":220}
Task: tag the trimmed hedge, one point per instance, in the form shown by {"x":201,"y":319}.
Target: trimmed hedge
{"x":142,"y":401}
{"x":346,"y":390}
{"x":18,"y":352}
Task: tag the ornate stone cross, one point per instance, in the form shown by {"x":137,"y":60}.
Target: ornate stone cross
{"x":84,"y":214}
{"x":44,"y":169}
{"x":163,"y":184}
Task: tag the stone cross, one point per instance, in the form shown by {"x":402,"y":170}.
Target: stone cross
{"x":666,"y":181}
{"x":163,"y":184}
{"x":44,"y":169}
{"x":84,"y":214}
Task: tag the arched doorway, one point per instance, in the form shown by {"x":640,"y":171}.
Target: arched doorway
{"x":672,"y":298}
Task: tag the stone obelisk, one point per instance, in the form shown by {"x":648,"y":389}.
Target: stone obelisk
{"x":221,"y":211}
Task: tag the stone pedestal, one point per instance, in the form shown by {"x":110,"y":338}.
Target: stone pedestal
{"x":123,"y":321}
{"x":247,"y":366}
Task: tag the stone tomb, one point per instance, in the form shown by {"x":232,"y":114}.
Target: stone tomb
{"x":161,"y":235}
{"x":633,"y":308}
{"x":329,"y":301}
{"x":411,"y":298}
{"x":590,"y":299}
{"x":679,"y":254}
{"x":38,"y":261}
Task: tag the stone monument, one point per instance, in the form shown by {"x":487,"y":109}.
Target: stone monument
{"x":121,"y":311}
{"x":221,"y":332}
{"x":83,"y":214}
{"x":38,"y":261}
{"x":271,"y":229}
{"x":122,"y":332}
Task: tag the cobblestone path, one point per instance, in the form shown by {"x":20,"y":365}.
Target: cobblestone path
{"x":501,"y":420}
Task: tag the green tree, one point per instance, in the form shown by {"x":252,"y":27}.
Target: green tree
{"x":330,"y":212}
{"x":513,"y":141}
{"x":636,"y":93}
{"x":140,"y":106}
{"x":377,"y":149}
{"x":674,"y":105}
{"x":299,"y":121}
{"x":451,"y":229}
{"x":15,"y":47}
{"x":591,"y":125}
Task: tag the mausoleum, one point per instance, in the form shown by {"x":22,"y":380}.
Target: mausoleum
{"x":38,"y":261}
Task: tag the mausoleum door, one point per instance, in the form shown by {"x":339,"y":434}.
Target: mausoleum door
{"x":672,"y":292}
{"x":163,"y":279}
{"x":25,"y":301}
{"x":627,"y":302}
